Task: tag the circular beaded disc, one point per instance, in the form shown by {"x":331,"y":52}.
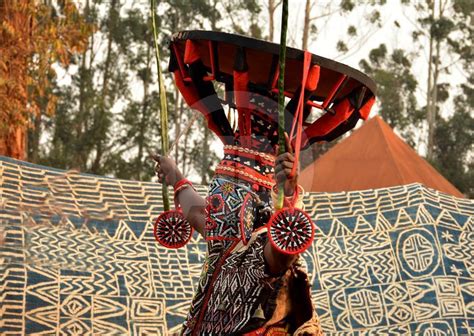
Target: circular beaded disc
{"x":172,"y":230}
{"x":291,"y":231}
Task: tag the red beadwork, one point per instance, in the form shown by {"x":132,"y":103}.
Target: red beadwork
{"x":172,"y":230}
{"x":216,"y":202}
{"x":291,"y":230}
{"x":182,"y":182}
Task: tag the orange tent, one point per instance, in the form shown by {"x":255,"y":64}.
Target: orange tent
{"x":372,"y":157}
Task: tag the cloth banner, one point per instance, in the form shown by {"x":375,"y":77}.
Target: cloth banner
{"x":77,"y":256}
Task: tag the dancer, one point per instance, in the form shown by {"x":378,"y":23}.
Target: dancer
{"x":252,"y":218}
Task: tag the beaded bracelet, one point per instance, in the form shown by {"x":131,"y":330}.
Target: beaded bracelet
{"x":183,"y":182}
{"x":179,"y":186}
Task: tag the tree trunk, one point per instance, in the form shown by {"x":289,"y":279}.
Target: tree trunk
{"x":100,"y":116}
{"x":434,"y":100}
{"x":79,"y":159}
{"x":429,"y":93}
{"x":141,"y":137}
{"x":34,"y":140}
{"x":307,"y":22}
{"x":434,"y":103}
{"x":271,"y":12}
{"x":80,"y":155}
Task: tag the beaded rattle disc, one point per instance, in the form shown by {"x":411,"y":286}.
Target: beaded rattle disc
{"x":291,"y":230}
{"x":172,"y":229}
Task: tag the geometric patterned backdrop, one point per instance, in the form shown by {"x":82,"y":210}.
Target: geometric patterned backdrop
{"x":77,"y":256}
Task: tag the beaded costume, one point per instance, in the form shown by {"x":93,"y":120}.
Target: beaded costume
{"x":236,"y":294}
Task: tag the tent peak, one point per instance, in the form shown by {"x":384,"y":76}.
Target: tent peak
{"x":372,"y":157}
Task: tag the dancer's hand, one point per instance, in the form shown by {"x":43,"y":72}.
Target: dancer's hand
{"x":283,"y":166}
{"x":192,"y":205}
{"x":165,"y":168}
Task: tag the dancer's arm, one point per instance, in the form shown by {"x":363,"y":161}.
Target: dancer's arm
{"x":277,"y":261}
{"x":192,"y":205}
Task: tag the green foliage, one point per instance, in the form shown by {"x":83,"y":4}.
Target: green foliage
{"x":396,"y":87}
{"x":341,"y":46}
{"x":449,"y":26}
{"x":441,"y":28}
{"x":352,"y":31}
{"x":82,"y":136}
{"x":375,"y":17}
{"x":454,"y":139}
{"x":107,"y":119}
{"x":357,"y":33}
{"x":347,"y":5}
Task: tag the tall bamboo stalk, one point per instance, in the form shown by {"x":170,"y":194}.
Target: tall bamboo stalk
{"x":281,"y":95}
{"x":163,"y":105}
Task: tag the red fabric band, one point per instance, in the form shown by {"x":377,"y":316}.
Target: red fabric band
{"x":297,"y":126}
{"x":178,"y":186}
{"x":182,"y":182}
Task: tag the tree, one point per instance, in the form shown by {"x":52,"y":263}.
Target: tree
{"x":396,"y":87}
{"x":240,"y":17}
{"x":353,"y":41}
{"x":103,"y":124}
{"x":453,"y":136}
{"x":443,"y":25}
{"x":51,"y":33}
{"x":14,"y":77}
{"x":453,"y":142}
{"x":358,"y":34}
{"x":272,"y":5}
{"x":138,"y":119}
{"x":309,"y":26}
{"x":98,"y":84}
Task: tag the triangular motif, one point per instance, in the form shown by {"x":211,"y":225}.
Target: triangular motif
{"x":104,"y":327}
{"x":382,"y":224}
{"x":469,"y":225}
{"x":424,"y":310}
{"x":179,"y":309}
{"x":363,"y":226}
{"x":349,"y":222}
{"x":445,"y":219}
{"x":411,"y":212}
{"x":323,"y":226}
{"x":338,"y":229}
{"x":403,"y":220}
{"x":46,"y":291}
{"x":434,"y":211}
{"x":46,"y":316}
{"x":105,"y":308}
{"x":423,"y":216}
{"x":124,"y":232}
{"x":460,"y":218}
